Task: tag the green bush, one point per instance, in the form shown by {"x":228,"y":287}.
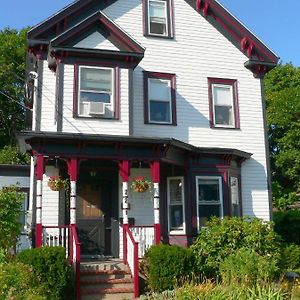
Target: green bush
{"x":210,"y":291}
{"x":287,"y":224}
{"x":17,"y":281}
{"x":223,"y":237}
{"x":166,"y":265}
{"x":246,"y":267}
{"x":2,"y":256}
{"x":10,"y":227}
{"x":52,"y":270}
{"x":11,"y":155}
{"x":290,"y":258}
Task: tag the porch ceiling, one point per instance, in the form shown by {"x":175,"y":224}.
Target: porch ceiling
{"x":116,"y":147}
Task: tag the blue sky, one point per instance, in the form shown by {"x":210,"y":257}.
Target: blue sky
{"x":276,"y":23}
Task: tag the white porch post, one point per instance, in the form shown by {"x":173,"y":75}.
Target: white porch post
{"x":124,"y":174}
{"x":73,"y":172}
{"x":155,"y":171}
{"x":39,"y":195}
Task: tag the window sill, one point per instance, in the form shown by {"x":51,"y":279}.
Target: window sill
{"x":225,"y":127}
{"x":164,"y":124}
{"x":167,"y":37}
{"x":177,"y":232}
{"x":95,"y":118}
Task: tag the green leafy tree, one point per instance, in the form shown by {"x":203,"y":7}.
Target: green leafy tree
{"x":10,"y":155}
{"x":12,"y":74}
{"x":282,"y":86}
{"x":10,"y":207}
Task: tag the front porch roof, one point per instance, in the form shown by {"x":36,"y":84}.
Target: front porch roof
{"x":116,"y":147}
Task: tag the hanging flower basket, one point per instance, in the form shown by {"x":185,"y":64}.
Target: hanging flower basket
{"x":55,"y":183}
{"x":140,"y":184}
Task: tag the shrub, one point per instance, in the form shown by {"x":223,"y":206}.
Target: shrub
{"x":17,"y":282}
{"x":290,"y":258}
{"x":52,"y":270}
{"x":10,"y":227}
{"x":11,"y":155}
{"x":166,"y":265}
{"x":287,"y":224}
{"x":224,"y":237}
{"x":246,"y":267}
{"x":2,"y":256}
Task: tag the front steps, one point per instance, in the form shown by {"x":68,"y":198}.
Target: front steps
{"x":105,"y":279}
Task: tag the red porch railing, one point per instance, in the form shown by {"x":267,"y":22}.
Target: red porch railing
{"x":132,"y":258}
{"x":65,"y":236}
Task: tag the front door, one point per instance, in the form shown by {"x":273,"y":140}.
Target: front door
{"x":93,"y":216}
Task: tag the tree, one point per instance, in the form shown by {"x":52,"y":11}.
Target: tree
{"x":282,"y":86}
{"x":12,"y":74}
{"x":11,"y":155}
{"x":10,"y":226}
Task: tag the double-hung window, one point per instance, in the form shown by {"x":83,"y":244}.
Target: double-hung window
{"x":158,"y":18}
{"x":209,"y":198}
{"x":96,"y":91}
{"x":176,"y":211}
{"x":160,"y":99}
{"x":235,"y":197}
{"x":223,"y":103}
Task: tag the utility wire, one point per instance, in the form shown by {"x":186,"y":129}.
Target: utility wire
{"x":14,"y":100}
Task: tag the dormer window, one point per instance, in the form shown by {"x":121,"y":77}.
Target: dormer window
{"x":158,"y":18}
{"x":96,"y":90}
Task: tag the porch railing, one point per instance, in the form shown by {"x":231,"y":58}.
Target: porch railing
{"x":65,"y":236}
{"x":144,"y":235}
{"x":132,"y":259}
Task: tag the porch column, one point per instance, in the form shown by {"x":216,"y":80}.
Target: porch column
{"x":73,"y":173}
{"x":155,"y":172}
{"x":39,"y":193}
{"x":124,"y":173}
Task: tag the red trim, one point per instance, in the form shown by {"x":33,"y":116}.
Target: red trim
{"x":116,"y":70}
{"x":157,"y":233}
{"x":159,"y":75}
{"x":40,"y":167}
{"x":224,"y":81}
{"x":136,"y":270}
{"x":38,"y":235}
{"x":155,"y":171}
{"x":124,"y":170}
{"x":73,"y":169}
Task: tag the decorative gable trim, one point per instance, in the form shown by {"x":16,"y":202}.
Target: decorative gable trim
{"x":212,"y":10}
{"x":99,"y":18}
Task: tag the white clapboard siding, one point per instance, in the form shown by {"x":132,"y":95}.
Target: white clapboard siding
{"x":92,"y":125}
{"x":197,"y":52}
{"x":48,"y":94}
{"x":50,"y":200}
{"x":96,"y":41}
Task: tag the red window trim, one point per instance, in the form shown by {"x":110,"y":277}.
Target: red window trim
{"x":158,"y":75}
{"x":170,"y":20}
{"x":116,"y":87}
{"x":224,"y":81}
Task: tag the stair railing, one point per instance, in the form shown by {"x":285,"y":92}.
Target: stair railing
{"x":132,"y":259}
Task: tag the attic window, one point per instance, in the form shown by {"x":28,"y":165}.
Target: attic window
{"x":158,"y":18}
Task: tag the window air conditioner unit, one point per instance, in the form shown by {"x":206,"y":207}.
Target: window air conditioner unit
{"x":96,"y":108}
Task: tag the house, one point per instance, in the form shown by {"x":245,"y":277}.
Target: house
{"x":171,"y":90}
{"x":19,"y":175}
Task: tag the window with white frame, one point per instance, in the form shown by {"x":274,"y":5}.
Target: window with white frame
{"x":235,"y":198}
{"x":96,"y":91}
{"x":157,"y":17}
{"x":209,"y":198}
{"x":176,"y":211}
{"x":223,"y":103}
{"x":159,"y":102}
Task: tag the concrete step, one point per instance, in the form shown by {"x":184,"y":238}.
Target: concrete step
{"x":107,"y":293}
{"x":105,"y":279}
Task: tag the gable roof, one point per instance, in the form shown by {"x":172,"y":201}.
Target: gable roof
{"x":261,"y":58}
{"x":126,"y":42}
